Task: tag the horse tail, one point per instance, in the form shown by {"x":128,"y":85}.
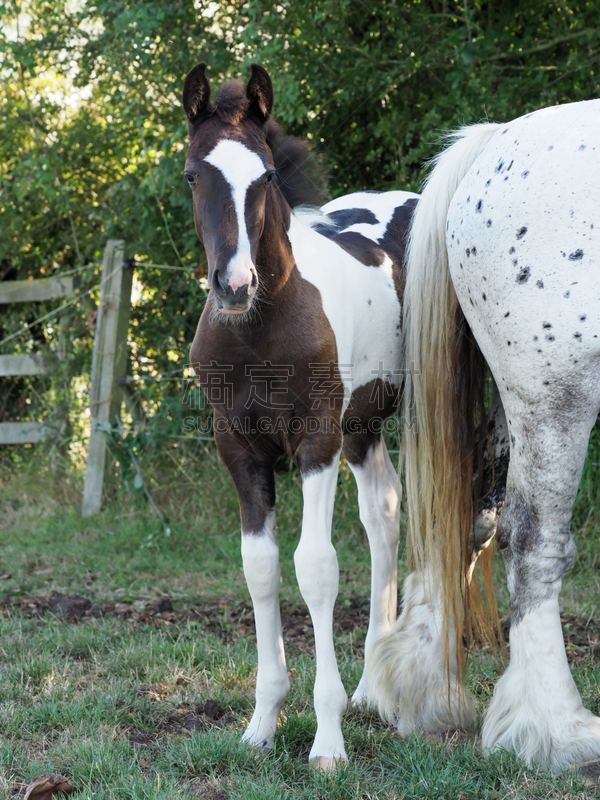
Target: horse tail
{"x":444,"y":392}
{"x":444,"y":397}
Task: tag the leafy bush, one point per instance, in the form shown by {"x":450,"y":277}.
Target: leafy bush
{"x":93,"y":139}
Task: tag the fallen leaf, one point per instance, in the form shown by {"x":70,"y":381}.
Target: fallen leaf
{"x":47,"y":786}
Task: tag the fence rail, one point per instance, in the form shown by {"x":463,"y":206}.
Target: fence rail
{"x":20,"y":365}
{"x":110,"y":385}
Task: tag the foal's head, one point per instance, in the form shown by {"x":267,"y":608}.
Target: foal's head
{"x":237,"y":159}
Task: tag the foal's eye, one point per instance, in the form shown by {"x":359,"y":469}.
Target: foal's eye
{"x":269,"y":178}
{"x":189,"y":178}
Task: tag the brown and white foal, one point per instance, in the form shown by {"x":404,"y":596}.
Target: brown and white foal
{"x":299,"y":352}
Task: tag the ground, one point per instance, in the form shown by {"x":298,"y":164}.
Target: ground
{"x":127,"y":657}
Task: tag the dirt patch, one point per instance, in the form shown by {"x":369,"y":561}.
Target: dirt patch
{"x":71,"y":606}
{"x":231,"y":620}
{"x":225,"y":620}
{"x":182,"y":721}
{"x":208,"y":789}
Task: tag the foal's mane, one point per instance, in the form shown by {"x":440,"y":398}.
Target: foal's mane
{"x":300,"y":175}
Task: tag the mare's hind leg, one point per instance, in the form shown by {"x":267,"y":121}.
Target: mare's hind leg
{"x":255,"y":484}
{"x":379,"y":505}
{"x":407,"y":679}
{"x":536,"y":710}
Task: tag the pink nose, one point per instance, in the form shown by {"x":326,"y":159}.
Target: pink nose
{"x":242,"y":274}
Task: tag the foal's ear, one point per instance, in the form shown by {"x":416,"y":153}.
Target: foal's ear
{"x":259,"y":92}
{"x":196,"y":93}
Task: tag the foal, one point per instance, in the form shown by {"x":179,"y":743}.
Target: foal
{"x":299,"y":352}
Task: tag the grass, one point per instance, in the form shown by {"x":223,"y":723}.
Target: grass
{"x":127,"y":707}
{"x":98,"y":702}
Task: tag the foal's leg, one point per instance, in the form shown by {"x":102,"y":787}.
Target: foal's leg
{"x":536,"y":709}
{"x":318,"y":575}
{"x":379,"y":495}
{"x":255,"y":485}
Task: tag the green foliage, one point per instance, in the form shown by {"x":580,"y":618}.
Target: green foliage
{"x":93,"y":137}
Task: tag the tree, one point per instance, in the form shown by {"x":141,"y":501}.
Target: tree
{"x":93,"y":141}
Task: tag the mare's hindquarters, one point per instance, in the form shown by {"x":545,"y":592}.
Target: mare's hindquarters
{"x":524,"y":257}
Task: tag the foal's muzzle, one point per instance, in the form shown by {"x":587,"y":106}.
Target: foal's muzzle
{"x":234,"y":301}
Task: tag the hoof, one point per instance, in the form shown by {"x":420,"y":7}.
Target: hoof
{"x":358,"y":701}
{"x":325,"y":764}
{"x":260,"y":749}
{"x":359,"y":698}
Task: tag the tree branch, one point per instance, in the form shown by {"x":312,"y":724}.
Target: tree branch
{"x":543,"y":46}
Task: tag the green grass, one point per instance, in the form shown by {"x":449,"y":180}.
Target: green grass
{"x":103,"y":719}
{"x":116,"y":705}
{"x":124,"y":551}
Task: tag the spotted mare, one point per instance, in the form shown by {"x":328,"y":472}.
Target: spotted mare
{"x":505,"y":262}
{"x":298,"y":350}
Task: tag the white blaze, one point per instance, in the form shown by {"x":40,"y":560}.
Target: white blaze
{"x":240,"y":167}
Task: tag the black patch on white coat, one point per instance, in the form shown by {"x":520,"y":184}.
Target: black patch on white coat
{"x":345,"y":218}
{"x":393,"y":240}
{"x":533,"y":574}
{"x":367,"y":251}
{"x":364,"y":250}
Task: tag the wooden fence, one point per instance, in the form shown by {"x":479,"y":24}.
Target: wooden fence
{"x":31,"y":364}
{"x":108,"y":389}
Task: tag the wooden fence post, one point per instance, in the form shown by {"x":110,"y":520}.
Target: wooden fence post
{"x":109,"y":363}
